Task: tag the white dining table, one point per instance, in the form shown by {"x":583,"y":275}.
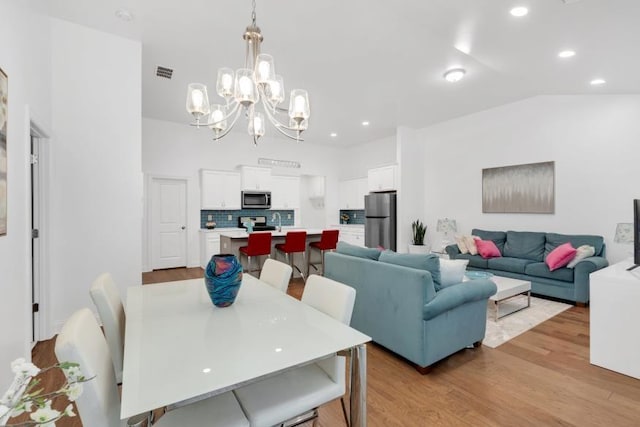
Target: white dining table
{"x":179,"y":347}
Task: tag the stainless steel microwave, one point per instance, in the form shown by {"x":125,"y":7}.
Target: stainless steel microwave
{"x":256,"y":199}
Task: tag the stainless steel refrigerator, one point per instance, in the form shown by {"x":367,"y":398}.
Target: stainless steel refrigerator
{"x":380,"y":224}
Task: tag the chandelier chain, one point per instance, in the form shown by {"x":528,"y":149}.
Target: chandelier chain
{"x":253,"y":12}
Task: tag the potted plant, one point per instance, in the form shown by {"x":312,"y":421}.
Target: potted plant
{"x":417,"y":245}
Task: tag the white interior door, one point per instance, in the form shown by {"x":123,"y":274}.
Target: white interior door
{"x":168,"y":223}
{"x":35,"y":239}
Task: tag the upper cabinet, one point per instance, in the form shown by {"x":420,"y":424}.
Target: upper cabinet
{"x":219,"y":190}
{"x":382,"y":179}
{"x":256,"y":178}
{"x":351,"y":193}
{"x":285,"y":192}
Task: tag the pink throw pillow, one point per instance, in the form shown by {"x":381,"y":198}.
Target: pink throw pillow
{"x":560,"y":256}
{"x":487,"y":249}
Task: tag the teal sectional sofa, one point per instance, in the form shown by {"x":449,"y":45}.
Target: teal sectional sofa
{"x":402,"y":309}
{"x":523,"y":255}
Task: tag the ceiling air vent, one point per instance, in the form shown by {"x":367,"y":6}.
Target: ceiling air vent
{"x":164,"y":72}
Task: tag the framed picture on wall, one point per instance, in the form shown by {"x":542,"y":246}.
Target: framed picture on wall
{"x":519,"y":189}
{"x":4,"y":107}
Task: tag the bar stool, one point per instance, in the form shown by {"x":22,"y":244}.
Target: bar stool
{"x":258,"y":244}
{"x":328,"y":242}
{"x":294,"y":242}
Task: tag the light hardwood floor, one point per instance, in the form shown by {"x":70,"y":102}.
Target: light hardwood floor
{"x":541,"y":378}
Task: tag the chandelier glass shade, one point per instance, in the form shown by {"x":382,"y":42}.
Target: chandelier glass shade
{"x":255,"y":90}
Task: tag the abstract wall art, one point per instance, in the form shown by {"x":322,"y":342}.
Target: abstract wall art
{"x":519,"y":189}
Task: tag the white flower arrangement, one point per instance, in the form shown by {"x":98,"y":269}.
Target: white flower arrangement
{"x":24,"y":397}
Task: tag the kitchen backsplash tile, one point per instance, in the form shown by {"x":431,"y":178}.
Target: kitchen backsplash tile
{"x":355,"y":216}
{"x":221,"y":218}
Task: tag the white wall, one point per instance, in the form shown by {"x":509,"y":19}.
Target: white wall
{"x":178,"y":150}
{"x":96,"y":180}
{"x":593,"y":141}
{"x":25,"y":58}
{"x":411,"y":186}
{"x":356,"y":160}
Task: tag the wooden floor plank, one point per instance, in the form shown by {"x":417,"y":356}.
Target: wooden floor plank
{"x":540,"y":378}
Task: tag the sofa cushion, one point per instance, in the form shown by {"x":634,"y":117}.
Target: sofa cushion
{"x":514,"y":265}
{"x":358,"y":251}
{"x":560,"y":256}
{"x":582,"y":252}
{"x":498,"y":237}
{"x":428,"y":262}
{"x":474,"y":260}
{"x":553,"y":240}
{"x":525,"y":244}
{"x":452,"y":271}
{"x":540,"y":269}
{"x":487,"y":249}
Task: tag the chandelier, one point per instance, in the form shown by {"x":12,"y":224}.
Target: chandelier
{"x":255,"y":90}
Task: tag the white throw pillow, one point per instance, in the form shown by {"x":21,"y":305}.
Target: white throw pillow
{"x":582,"y":252}
{"x":461,"y":245}
{"x":470,"y":241}
{"x":452,"y":271}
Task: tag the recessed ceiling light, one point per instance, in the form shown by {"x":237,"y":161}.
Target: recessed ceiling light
{"x":519,"y":11}
{"x":365,"y":123}
{"x":124,"y":15}
{"x":598,"y":82}
{"x":567,"y":54}
{"x":455,"y":74}
{"x":333,"y":134}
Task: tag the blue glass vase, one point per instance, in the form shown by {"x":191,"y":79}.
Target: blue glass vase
{"x":223,"y":277}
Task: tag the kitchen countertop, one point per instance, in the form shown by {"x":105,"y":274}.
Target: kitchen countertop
{"x":242,"y":234}
{"x":347,"y":225}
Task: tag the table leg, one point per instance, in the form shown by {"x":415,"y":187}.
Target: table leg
{"x":358,"y":406}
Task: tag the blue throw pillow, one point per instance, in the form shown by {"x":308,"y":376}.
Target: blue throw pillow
{"x":429,"y":262}
{"x":359,"y":251}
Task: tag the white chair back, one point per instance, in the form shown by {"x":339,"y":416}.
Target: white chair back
{"x":332,"y":298}
{"x":106,"y":298}
{"x":276,"y":273}
{"x":81,"y":341}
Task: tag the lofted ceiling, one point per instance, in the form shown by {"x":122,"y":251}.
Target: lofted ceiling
{"x":379,"y":61}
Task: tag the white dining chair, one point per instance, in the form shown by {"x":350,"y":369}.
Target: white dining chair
{"x":276,"y":273}
{"x":299,"y":392}
{"x":106,"y":298}
{"x":81,"y":341}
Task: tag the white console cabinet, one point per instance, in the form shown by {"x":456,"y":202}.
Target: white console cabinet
{"x":614,"y":297}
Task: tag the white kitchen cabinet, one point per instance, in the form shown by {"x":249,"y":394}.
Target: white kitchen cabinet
{"x":255,"y":178}
{"x":285,"y":192}
{"x":351,"y":193}
{"x":219,"y":190}
{"x":382,"y":179}
{"x":209,"y":246}
{"x":353,"y":235}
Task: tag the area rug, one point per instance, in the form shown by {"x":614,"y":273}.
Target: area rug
{"x":512,"y":325}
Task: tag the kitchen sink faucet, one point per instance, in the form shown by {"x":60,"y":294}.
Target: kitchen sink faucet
{"x":273,"y":218}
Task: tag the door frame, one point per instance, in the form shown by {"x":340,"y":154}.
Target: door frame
{"x":148,"y":209}
{"x":40,"y":135}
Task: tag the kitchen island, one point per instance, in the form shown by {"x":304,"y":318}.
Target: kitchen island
{"x":231,"y":241}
